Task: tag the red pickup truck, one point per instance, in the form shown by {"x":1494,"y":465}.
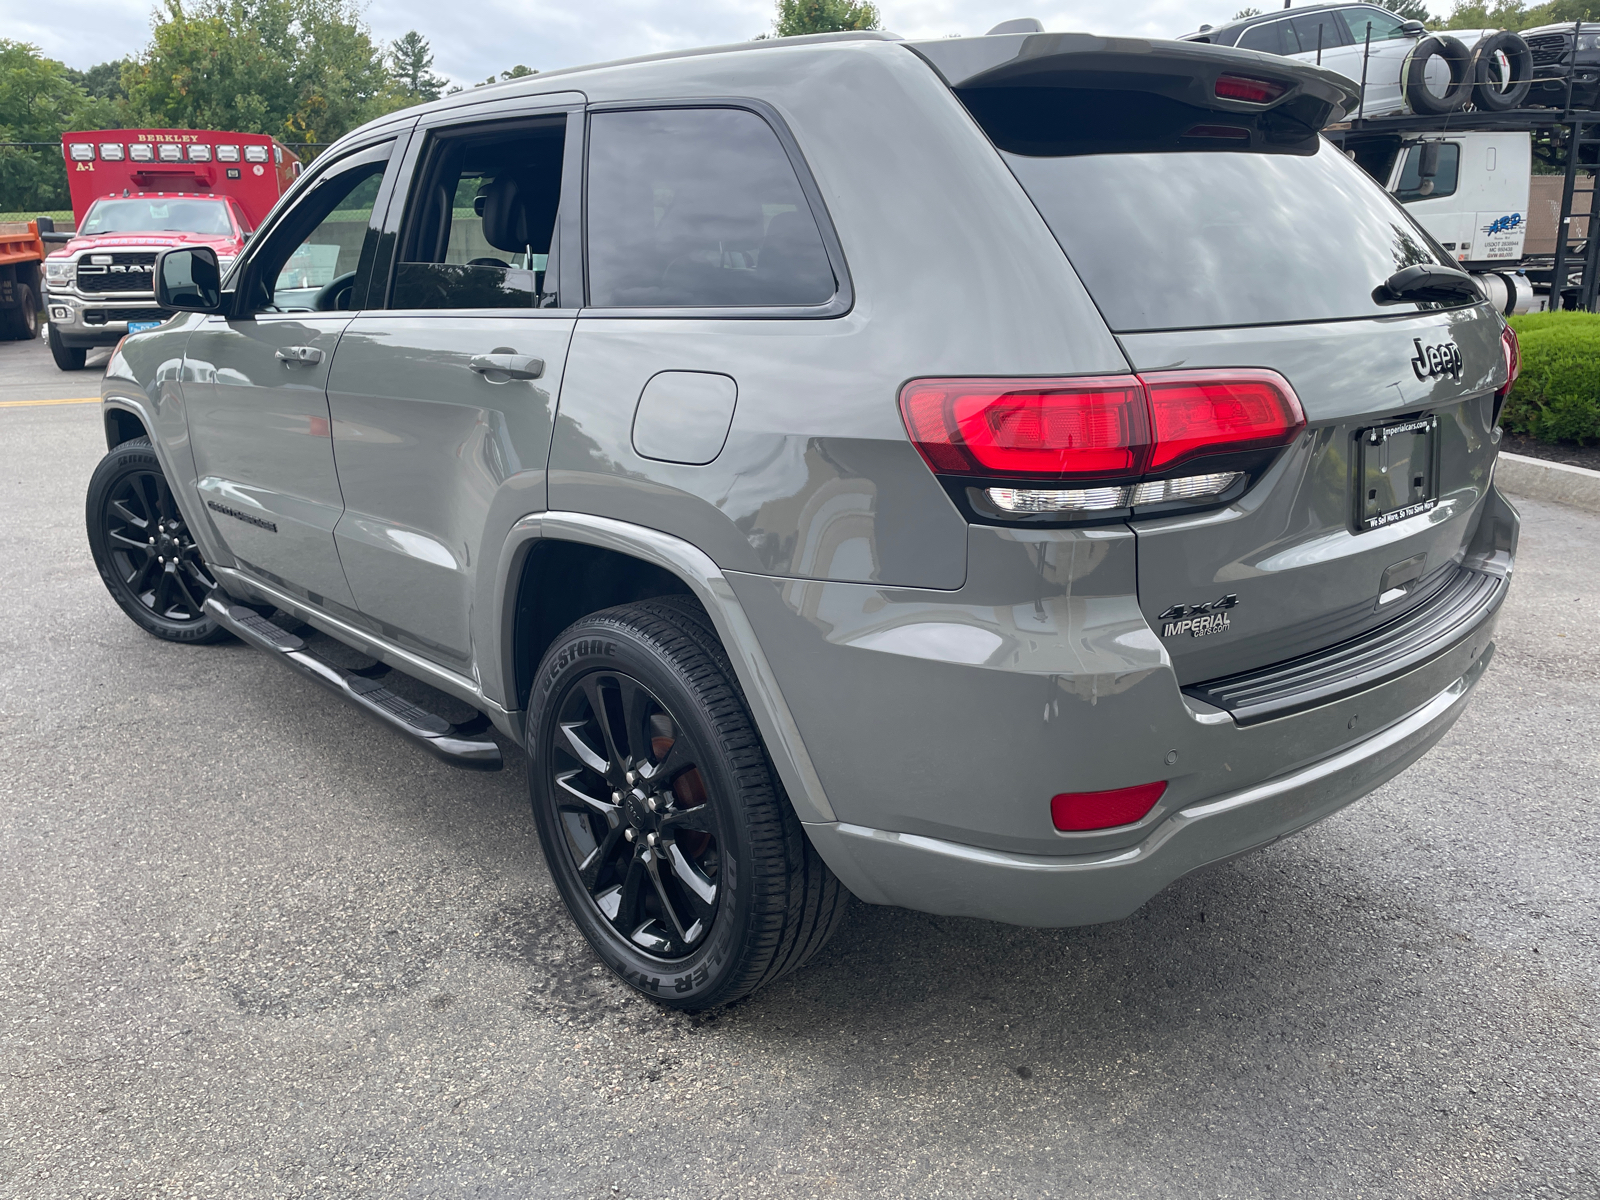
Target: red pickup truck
{"x":136,"y":192}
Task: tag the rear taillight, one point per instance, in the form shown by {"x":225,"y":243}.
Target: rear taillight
{"x":1195,"y":414}
{"x":1083,"y":428}
{"x":1073,"y":812}
{"x":1513,"y":353}
{"x":1253,"y":91}
{"x":1112,"y":431}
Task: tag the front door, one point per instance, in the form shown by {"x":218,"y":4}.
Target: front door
{"x":443,"y":391}
{"x":256,"y":387}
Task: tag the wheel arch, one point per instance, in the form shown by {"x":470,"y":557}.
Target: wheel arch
{"x":557,"y":567}
{"x":123,"y":425}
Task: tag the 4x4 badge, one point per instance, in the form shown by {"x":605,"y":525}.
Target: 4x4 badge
{"x":1197,"y":620}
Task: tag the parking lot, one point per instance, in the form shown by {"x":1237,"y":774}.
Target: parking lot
{"x":251,"y":945}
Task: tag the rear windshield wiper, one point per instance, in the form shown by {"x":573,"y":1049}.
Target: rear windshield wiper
{"x":1439,"y":285}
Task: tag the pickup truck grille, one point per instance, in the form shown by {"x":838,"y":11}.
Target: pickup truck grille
{"x":1548,"y":48}
{"x":99,"y":316}
{"x":126,"y":272}
{"x":1464,"y":600}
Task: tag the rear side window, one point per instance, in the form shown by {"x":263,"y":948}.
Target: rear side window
{"x":1385,"y":26}
{"x":1314,"y":31}
{"x":1268,"y":38}
{"x":698,"y":208}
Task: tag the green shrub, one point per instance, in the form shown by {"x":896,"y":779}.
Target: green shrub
{"x":1557,"y":396}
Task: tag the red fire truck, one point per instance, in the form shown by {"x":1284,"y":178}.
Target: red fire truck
{"x":136,"y":192}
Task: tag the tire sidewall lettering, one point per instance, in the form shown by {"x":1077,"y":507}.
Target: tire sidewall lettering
{"x":584,"y":647}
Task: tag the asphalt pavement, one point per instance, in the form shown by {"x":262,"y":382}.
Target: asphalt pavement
{"x":252,"y":945}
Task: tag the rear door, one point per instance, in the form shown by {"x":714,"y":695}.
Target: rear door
{"x":256,"y":385}
{"x":444,"y":389}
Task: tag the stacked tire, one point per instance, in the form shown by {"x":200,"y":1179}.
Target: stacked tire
{"x":1494,"y":75}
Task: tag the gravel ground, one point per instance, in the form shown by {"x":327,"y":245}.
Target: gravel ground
{"x":251,"y":945}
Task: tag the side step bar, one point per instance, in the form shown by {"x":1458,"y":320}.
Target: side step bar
{"x":458,"y":745}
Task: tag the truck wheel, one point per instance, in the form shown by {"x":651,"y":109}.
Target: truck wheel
{"x":22,"y":322}
{"x":662,"y":822}
{"x":1414,"y":83}
{"x":144,"y":551}
{"x":68,"y":358}
{"x":1496,"y":88}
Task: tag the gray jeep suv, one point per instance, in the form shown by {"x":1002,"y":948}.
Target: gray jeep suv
{"x":996,"y":476}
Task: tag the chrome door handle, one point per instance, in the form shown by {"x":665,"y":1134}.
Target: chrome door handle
{"x":298,"y":354}
{"x":512,"y":366}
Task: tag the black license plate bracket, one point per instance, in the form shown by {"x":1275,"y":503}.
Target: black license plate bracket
{"x":1397,"y":471}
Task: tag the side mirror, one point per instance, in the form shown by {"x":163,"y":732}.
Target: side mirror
{"x":1428,"y":160}
{"x":45,"y":224}
{"x":189,"y":280}
{"x":1412,"y":29}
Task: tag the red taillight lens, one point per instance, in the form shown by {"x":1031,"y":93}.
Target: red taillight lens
{"x":1255,"y":91}
{"x":1120,"y":426}
{"x":1513,"y":353}
{"x":1083,"y":428}
{"x":1075,"y":811}
{"x":1195,"y":414}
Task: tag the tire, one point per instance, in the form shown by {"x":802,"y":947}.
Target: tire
{"x":68,"y":358}
{"x":21,"y":324}
{"x":1485,"y":73}
{"x":145,"y":554}
{"x":1413,"y":80}
{"x":743,"y":897}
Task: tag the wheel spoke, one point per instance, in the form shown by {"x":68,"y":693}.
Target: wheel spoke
{"x":590,"y":868}
{"x":679,"y":935}
{"x":120,"y":508}
{"x":185,"y":596}
{"x":581,"y":750}
{"x":702,"y":892}
{"x":127,"y":543}
{"x":140,"y":579}
{"x":161,"y":601}
{"x":677,"y":759}
{"x":604,"y":807}
{"x":597,"y":704}
{"x":637,"y":704}
{"x":631,"y":900}
{"x":684,"y":820}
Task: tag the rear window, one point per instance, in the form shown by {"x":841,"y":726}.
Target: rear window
{"x":1193,"y":239}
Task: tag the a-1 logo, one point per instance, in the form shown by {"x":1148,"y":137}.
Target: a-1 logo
{"x":1197,"y":620}
{"x":1443,"y":359}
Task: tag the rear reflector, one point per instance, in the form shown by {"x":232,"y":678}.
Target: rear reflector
{"x":1108,"y":428}
{"x":1076,"y":811}
{"x":1254,"y":91}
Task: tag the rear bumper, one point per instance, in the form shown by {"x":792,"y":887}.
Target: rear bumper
{"x":937,"y":876}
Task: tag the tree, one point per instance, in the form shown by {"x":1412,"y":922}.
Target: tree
{"x":1246,"y":12}
{"x":301,"y":70}
{"x":410,"y":69}
{"x":103,"y":80}
{"x":516,"y":72}
{"x":1513,"y":14}
{"x":797,"y":17}
{"x":1411,"y":10}
{"x":39,"y":100}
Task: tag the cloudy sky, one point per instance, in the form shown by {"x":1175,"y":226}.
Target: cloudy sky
{"x":473,"y":40}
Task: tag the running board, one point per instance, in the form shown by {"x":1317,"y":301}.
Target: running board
{"x":458,"y":745}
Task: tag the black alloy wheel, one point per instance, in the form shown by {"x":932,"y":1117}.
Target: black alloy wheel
{"x":631,"y":800}
{"x":662,"y":821}
{"x":144,"y":550}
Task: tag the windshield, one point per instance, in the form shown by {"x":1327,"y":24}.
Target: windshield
{"x":1195,"y":239}
{"x":158,"y":216}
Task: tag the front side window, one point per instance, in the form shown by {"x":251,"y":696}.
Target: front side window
{"x":698,"y":208}
{"x":1316,"y":30}
{"x":158,"y":215}
{"x":482,"y":220}
{"x":309,"y":261}
{"x":1445,"y":172}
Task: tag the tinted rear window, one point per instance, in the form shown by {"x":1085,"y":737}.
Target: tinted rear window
{"x":1183,"y":240}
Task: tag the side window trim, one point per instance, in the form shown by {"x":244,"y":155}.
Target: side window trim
{"x":391,"y":142}
{"x":843,"y":299}
{"x":414,"y":163}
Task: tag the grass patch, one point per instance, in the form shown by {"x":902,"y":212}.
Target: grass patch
{"x":1557,"y":396}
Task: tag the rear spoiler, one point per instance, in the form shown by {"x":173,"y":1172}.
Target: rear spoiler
{"x":1167,"y":88}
